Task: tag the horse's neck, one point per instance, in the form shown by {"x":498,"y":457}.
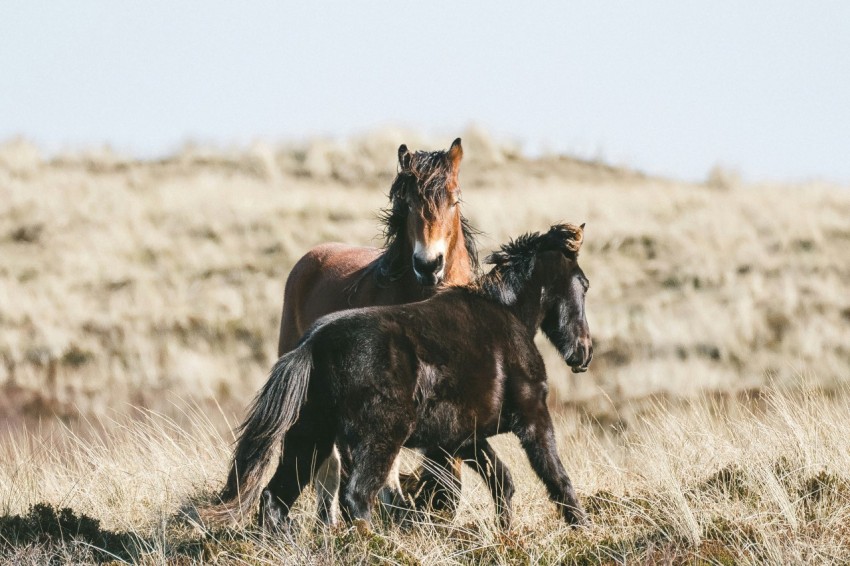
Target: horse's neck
{"x":409,"y":290}
{"x":405,"y":288}
{"x":458,"y":262}
{"x":528,"y":306}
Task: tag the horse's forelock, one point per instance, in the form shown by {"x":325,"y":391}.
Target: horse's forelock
{"x":433,"y":173}
{"x":426,"y":179}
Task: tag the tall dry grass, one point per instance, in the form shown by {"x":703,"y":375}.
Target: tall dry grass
{"x":742,"y":484}
{"x":129,"y":286}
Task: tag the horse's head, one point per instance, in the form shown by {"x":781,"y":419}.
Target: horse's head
{"x":426,"y":193}
{"x":564,"y":321}
{"x":538,"y":274}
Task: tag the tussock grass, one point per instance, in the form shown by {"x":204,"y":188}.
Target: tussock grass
{"x":766,"y":484}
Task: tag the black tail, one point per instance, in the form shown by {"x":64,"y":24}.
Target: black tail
{"x":272,"y":413}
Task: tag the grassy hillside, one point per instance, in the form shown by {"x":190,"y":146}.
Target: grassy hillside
{"x":140,"y":302}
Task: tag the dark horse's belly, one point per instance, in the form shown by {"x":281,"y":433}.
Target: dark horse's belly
{"x":448,"y":426}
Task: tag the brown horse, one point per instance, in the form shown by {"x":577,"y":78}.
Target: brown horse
{"x":442,"y":374}
{"x":428,"y":243}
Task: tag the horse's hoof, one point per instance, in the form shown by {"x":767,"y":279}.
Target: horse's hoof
{"x":272,"y":516}
{"x":362,"y":527}
{"x":505,"y":524}
{"x":580,"y":521}
{"x":576,"y":517}
{"x":328,"y":519}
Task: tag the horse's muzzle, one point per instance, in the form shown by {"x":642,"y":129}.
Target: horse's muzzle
{"x":580,"y":357}
{"x":429,"y":272}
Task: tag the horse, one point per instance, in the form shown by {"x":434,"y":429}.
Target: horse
{"x":428,"y":243}
{"x":442,"y":374}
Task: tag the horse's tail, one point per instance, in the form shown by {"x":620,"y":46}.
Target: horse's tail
{"x":274,"y":410}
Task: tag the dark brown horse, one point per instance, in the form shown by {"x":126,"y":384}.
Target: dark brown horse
{"x":442,"y":374}
{"x":428,"y":243}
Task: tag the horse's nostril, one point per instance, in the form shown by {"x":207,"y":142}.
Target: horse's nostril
{"x":578,"y":358}
{"x":425,"y":267}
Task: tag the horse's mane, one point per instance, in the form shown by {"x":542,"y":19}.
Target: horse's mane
{"x":514,"y":262}
{"x":427,"y":178}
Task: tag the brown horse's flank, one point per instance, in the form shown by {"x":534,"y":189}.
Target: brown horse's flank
{"x":444,"y":373}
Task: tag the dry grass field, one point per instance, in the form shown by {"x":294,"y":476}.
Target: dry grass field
{"x":139,"y":309}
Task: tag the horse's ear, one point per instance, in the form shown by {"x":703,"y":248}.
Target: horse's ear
{"x":579,"y":240}
{"x":570,"y":236}
{"x":404,"y":157}
{"x":455,"y":155}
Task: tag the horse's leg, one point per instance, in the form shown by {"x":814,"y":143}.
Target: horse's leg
{"x":483,"y":459}
{"x":397,"y":499}
{"x":391,"y":495}
{"x":304,"y":445}
{"x":366,"y":464}
{"x":393,"y":483}
{"x":327,"y":486}
{"x":439,"y":484}
{"x":537,"y":436}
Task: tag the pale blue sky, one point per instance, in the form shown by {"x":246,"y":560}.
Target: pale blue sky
{"x":668,"y":87}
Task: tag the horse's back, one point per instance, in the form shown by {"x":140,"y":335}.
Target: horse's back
{"x":318,"y":284}
{"x":443,"y":366}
